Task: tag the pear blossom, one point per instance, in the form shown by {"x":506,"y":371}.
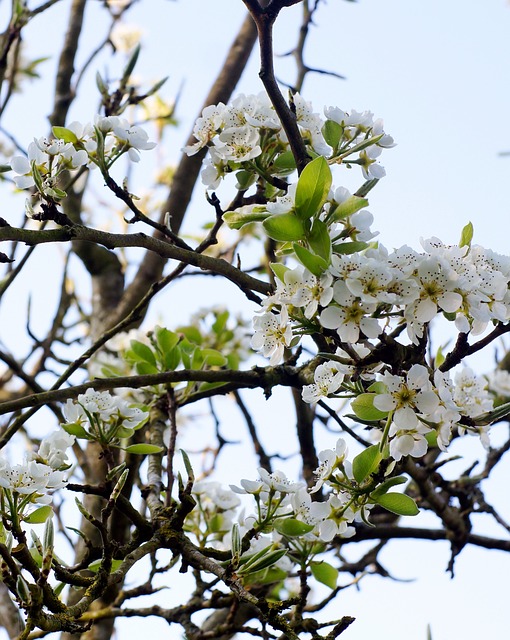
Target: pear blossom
{"x":300,"y":288}
{"x":338,"y":519}
{"x":239,"y":144}
{"x":471,"y":394}
{"x":125,"y":37}
{"x":351,"y":316}
{"x":272,"y":334}
{"x":329,"y":461}
{"x":407,"y":396}
{"x":328,"y":378}
{"x":408,"y":442}
{"x":284,"y":203}
{"x":307,"y":511}
{"x":206,"y":127}
{"x":31,"y":478}
{"x":112,"y":412}
{"x":499,"y":383}
{"x":215,"y":493}
{"x":134,"y":138}
{"x":278,"y":481}
{"x":52,"y":450}
{"x":22,"y":165}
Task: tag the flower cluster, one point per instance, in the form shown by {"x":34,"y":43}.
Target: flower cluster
{"x":100,"y":416}
{"x":247,"y":134}
{"x":278,"y":498}
{"x":212,"y":520}
{"x":31,"y":482}
{"x":99,"y":143}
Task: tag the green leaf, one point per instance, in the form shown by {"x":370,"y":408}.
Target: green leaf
{"x":315,"y":264}
{"x":236,"y":542}
{"x":500,"y":412}
{"x":398,"y":503}
{"x":320,"y":240}
{"x":366,"y":463}
{"x":165,"y":339}
{"x":324,"y":573}
{"x":378,"y":387}
{"x":142,"y":352}
{"x":213,"y":358}
{"x":193,"y":335}
{"x":75,"y":429}
{"x":64,"y":134}
{"x":39,"y":515}
{"x":466,"y":235}
{"x":439,"y":359}
{"x":94,"y":566}
{"x":268,"y":559}
{"x":220,"y":323}
{"x":103,"y":89}
{"x":332,"y":133}
{"x":348,"y":207}
{"x":291,"y":527}
{"x":187,"y":464}
{"x":131,"y":63}
{"x":143,"y":449}
{"x":245,"y":179}
{"x":387,"y":485}
{"x":266,"y":576}
{"x":313,"y":188}
{"x":245,"y":215}
{"x":124,"y":433}
{"x":285,"y":164}
{"x":171,"y":359}
{"x":363,"y":407}
{"x":279,"y":270}
{"x":284,"y":227}
{"x":347,"y":248}
{"x":144,"y":368}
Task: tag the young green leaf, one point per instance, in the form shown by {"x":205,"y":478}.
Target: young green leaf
{"x":332,"y":133}
{"x":245,"y":215}
{"x":467,"y":235}
{"x":166,"y":340}
{"x":144,"y":368}
{"x":320,"y":240}
{"x":142,"y":352}
{"x":143,"y":449}
{"x":279,"y":270}
{"x":187,"y":464}
{"x":363,"y":407}
{"x":270,"y":575}
{"x":94,"y":566}
{"x":245,"y":179}
{"x":285,"y":164}
{"x":213,"y":358}
{"x":313,"y":188}
{"x":284,"y":227}
{"x":366,"y":463}
{"x":398,"y":503}
{"x":348,"y":207}
{"x":64,"y":134}
{"x":386,"y":486}
{"x":348,"y":248}
{"x":266,"y":561}
{"x":315,"y":264}
{"x":75,"y":429}
{"x":291,"y":527}
{"x":40,"y":515}
{"x":324,"y":573}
